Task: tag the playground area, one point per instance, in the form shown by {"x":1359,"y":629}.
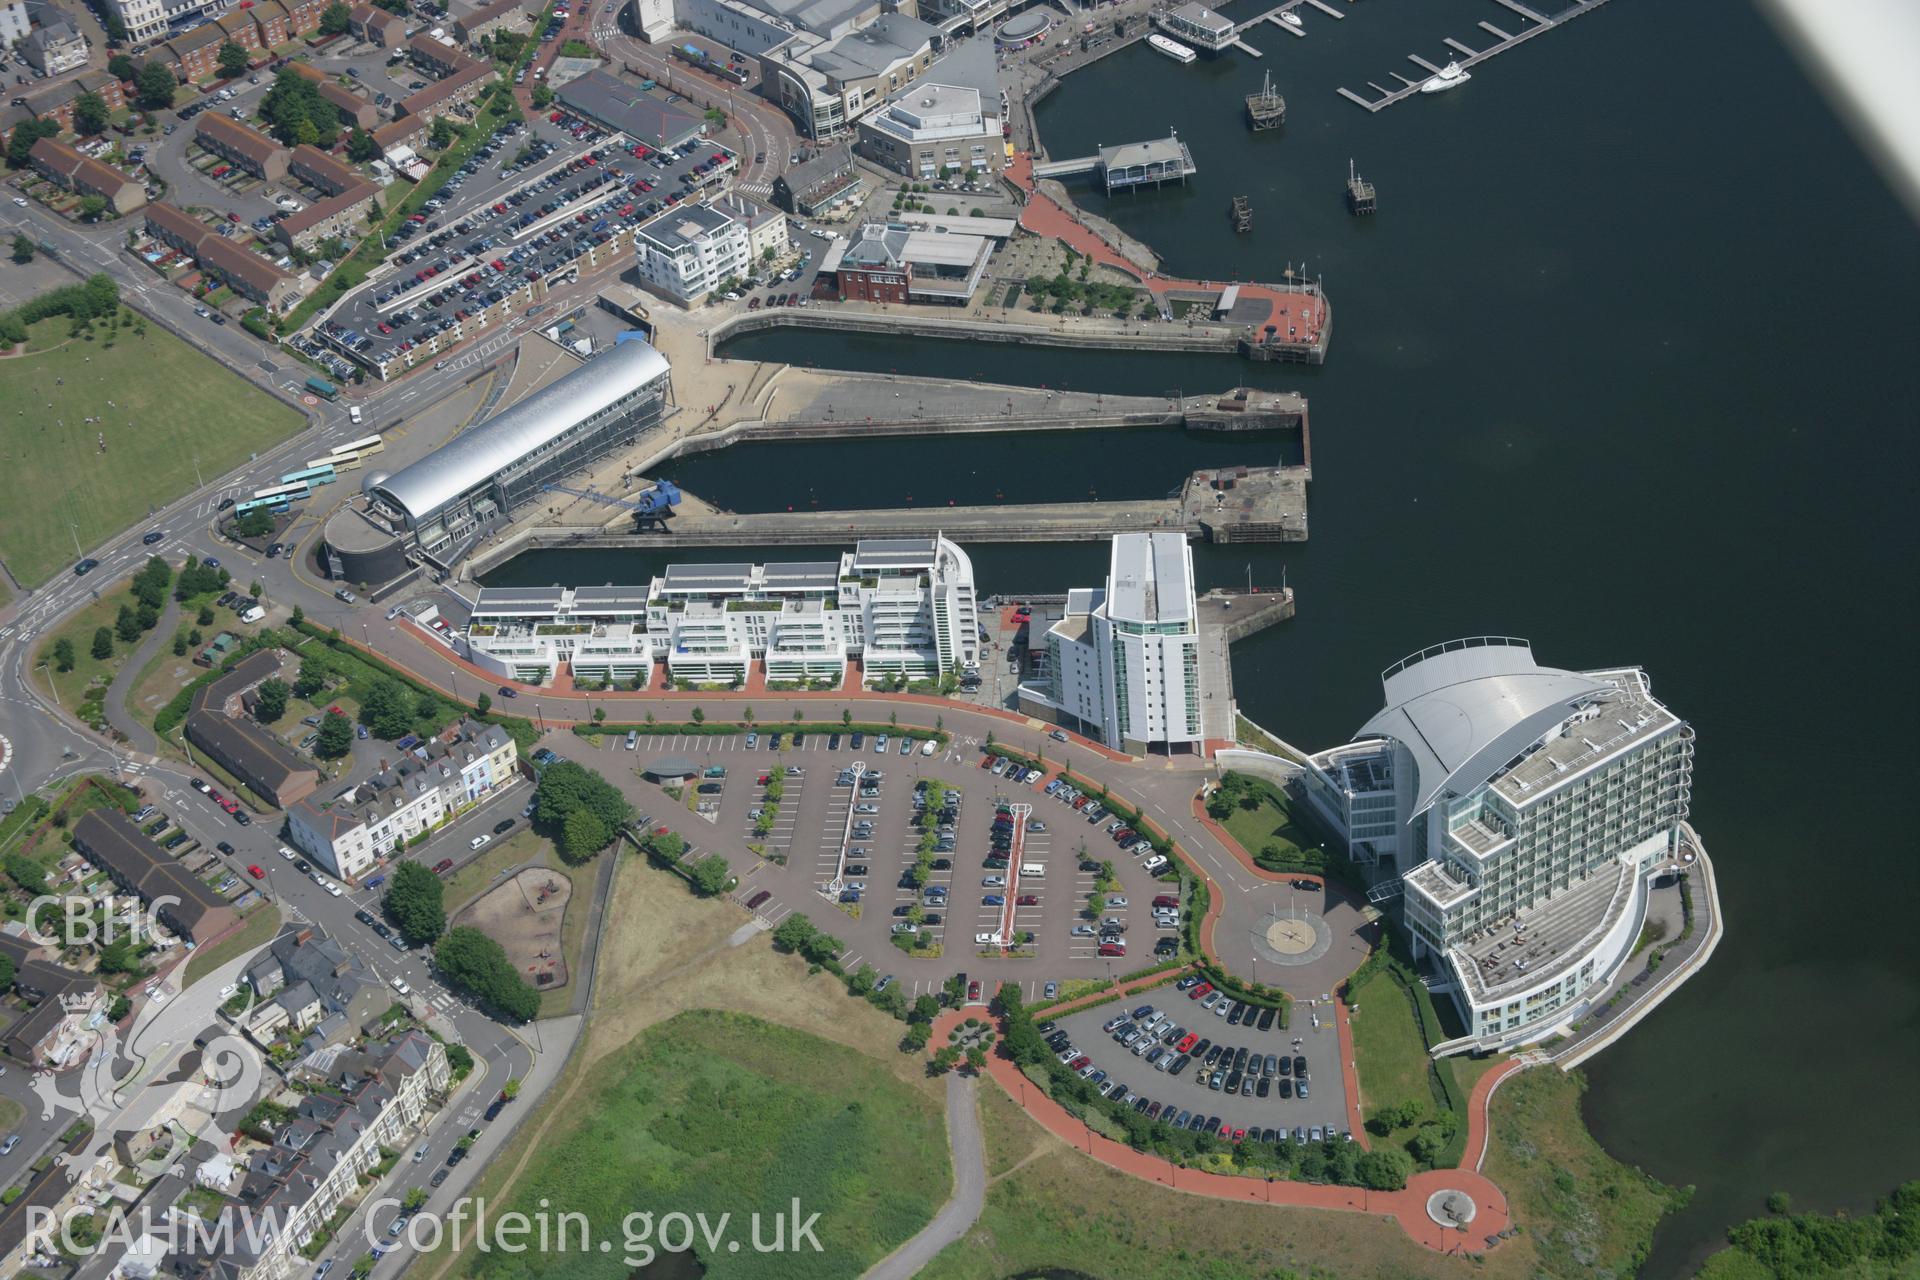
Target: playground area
{"x":524,"y":914}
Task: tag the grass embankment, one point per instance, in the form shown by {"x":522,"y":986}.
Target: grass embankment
{"x":1389,"y":1052}
{"x":1271,"y":826}
{"x":720,"y":1112}
{"x":1584,"y":1212}
{"x":663,"y":953}
{"x":258,"y":931}
{"x":161,"y":406}
{"x":1050,"y":1209}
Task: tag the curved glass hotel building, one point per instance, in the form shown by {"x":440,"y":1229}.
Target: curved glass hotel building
{"x":1527,"y":811}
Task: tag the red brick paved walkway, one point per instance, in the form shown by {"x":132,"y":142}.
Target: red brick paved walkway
{"x":1294,"y":315}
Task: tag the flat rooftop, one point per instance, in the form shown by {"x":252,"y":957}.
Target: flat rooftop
{"x":1160,"y":151}
{"x":1543,"y":942}
{"x":1629,"y":716}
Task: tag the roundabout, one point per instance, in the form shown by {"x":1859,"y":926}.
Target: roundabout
{"x":1291,"y":939}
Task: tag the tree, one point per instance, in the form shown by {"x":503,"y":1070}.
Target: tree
{"x":416,"y":903}
{"x":511,"y":1089}
{"x":862,"y":980}
{"x":272,"y":702}
{"x":126,"y":624}
{"x":415,"y":1197}
{"x":154,"y":85}
{"x":297,"y":617}
{"x":582,"y":835}
{"x":1384,"y":1170}
{"x":918,"y":1033}
{"x":976,"y":1059}
{"x":793,"y":933}
{"x":63,"y":654}
{"x":180,"y":644}
{"x":336,"y":736}
{"x":257,"y":523}
{"x":442,"y":134}
{"x":711,"y":876}
{"x":335,"y":18}
{"x":313,"y":675}
{"x":477,"y":964}
{"x":361,"y":147}
{"x":482,"y":704}
{"x":92,"y":208}
{"x":119,"y":956}
{"x":698,"y":716}
{"x":385,"y":711}
{"x":256,"y":591}
{"x":122,"y":67}
{"x":599,"y":714}
{"x":23,"y":249}
{"x":25,"y":134}
{"x":146,"y":616}
{"x":542,"y":96}
{"x":426,"y":705}
{"x":232,"y":60}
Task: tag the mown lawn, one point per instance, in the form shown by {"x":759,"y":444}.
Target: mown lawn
{"x":161,"y":406}
{"x":713,"y":1113}
{"x":1271,"y":831}
{"x":1389,"y":1052}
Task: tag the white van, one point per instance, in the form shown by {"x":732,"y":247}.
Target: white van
{"x":253,"y":614}
{"x":1033,"y":870}
{"x":353,"y":414}
{"x":633,"y":740}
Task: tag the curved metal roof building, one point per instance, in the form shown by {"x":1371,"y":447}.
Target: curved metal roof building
{"x":1464,"y":709}
{"x":558,"y":428}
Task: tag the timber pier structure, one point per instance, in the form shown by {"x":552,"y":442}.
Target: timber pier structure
{"x":1532,"y":23}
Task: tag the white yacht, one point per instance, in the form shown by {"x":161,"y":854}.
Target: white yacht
{"x":1451,"y":76}
{"x":1172,"y":48}
{"x":1291,"y":18}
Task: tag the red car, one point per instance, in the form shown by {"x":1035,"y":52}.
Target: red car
{"x":1026,"y":900}
{"x":1187,"y":1042}
{"x":757,"y":900}
{"x":1239,"y":1135}
{"x":443,"y":866}
{"x":1079,"y":1062}
{"x":1166,"y":900}
{"x":254,"y":871}
{"x":1113,"y":949}
{"x":973,"y":990}
{"x":1204,"y":989}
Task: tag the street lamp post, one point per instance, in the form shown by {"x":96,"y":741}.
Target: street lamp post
{"x":453,"y":683}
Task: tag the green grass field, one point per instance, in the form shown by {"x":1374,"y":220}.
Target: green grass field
{"x":1273,"y":833}
{"x":184,"y":409}
{"x":717,"y":1113}
{"x":1388,"y":1048}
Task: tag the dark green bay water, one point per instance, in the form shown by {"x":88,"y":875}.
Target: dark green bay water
{"x":1624,"y":365}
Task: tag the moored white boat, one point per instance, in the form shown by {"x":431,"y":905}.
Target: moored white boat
{"x":1451,"y":76}
{"x":1172,"y":48}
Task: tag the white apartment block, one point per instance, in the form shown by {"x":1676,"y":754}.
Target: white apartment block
{"x":350,"y":831}
{"x":1124,"y":661}
{"x":1527,"y":811}
{"x":900,"y":606}
{"x":14,"y":22}
{"x":156,"y":19}
{"x":691,"y":249}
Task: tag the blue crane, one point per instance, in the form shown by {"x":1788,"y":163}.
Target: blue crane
{"x":650,"y":510}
